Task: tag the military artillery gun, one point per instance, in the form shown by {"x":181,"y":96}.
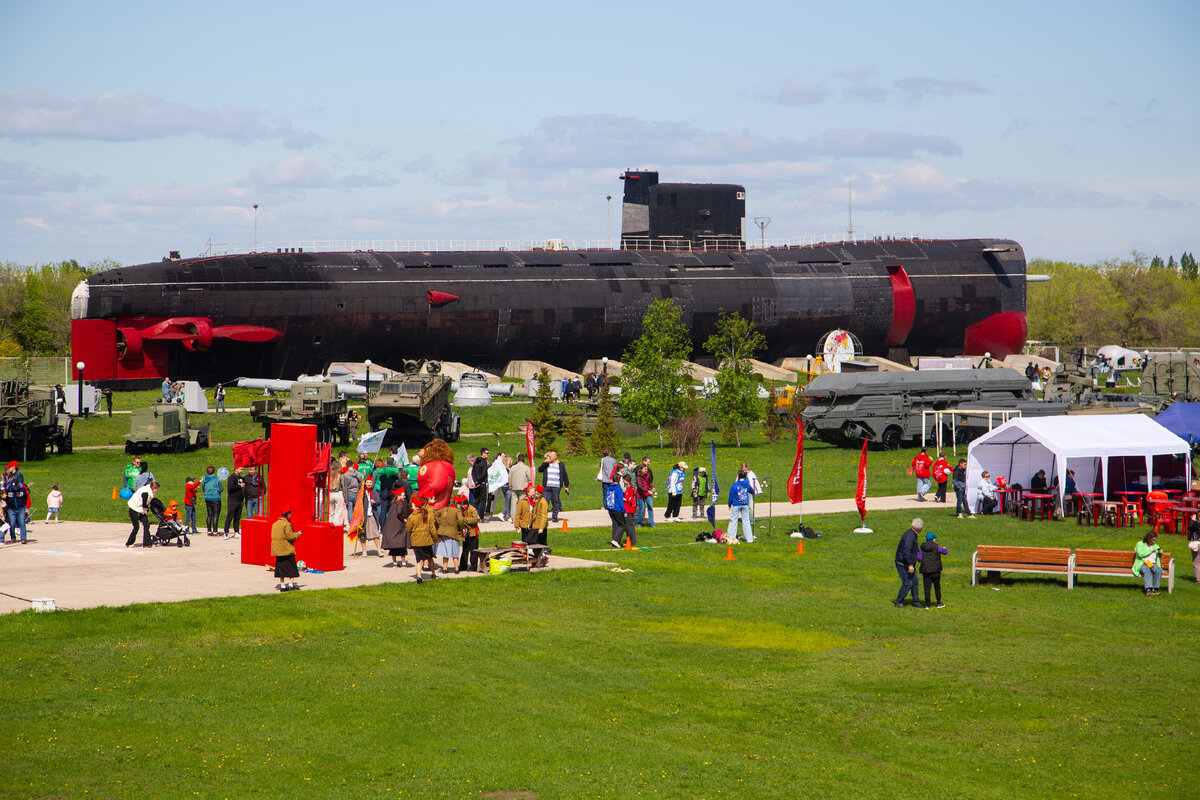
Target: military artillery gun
{"x":415,"y":405}
{"x":308,"y":402}
{"x":29,"y":422}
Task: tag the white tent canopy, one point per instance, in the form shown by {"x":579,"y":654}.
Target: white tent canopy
{"x":1085,"y":443}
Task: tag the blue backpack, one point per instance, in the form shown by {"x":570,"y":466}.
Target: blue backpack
{"x":614,"y":498}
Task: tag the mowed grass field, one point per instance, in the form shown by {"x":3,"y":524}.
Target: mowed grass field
{"x":775,"y":675}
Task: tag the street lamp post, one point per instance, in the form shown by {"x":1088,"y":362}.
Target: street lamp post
{"x":368,"y":394}
{"x":79,"y":365}
{"x":609,"y":199}
{"x":255,"y":227}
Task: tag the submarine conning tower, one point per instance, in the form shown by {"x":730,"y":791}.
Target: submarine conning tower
{"x":681,"y":216}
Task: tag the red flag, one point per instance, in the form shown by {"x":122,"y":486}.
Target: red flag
{"x":529,"y":441}
{"x":795,"y":487}
{"x":860,"y":497}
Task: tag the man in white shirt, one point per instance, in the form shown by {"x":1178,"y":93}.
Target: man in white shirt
{"x":139,"y":512}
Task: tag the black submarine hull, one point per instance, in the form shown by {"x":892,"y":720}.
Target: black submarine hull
{"x":285,"y":313}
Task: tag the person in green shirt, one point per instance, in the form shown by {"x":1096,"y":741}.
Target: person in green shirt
{"x":1147,"y":562}
{"x":132,"y":471}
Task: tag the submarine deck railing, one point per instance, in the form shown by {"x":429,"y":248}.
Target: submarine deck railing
{"x":498,"y":245}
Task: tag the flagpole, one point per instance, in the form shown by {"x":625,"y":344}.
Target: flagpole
{"x":860,"y":496}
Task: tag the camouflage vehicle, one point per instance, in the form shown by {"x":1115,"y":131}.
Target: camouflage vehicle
{"x":1171,"y":375}
{"x":415,"y":406}
{"x":308,"y":402}
{"x":164,"y":429}
{"x":885,"y":407}
{"x":29,"y":423}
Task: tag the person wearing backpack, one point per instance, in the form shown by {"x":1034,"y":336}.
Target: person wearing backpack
{"x":16,"y":501}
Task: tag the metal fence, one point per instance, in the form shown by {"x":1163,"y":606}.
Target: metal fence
{"x":42,"y":370}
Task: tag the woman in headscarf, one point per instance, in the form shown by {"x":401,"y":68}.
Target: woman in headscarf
{"x":423,"y":536}
{"x":395,"y":527}
{"x":449,"y":522}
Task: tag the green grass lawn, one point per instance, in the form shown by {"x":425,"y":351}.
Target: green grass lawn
{"x":775,"y":675}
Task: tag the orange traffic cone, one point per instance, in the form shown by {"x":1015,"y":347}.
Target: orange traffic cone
{"x":116,"y":494}
{"x":729,"y":553}
{"x":566,"y":528}
{"x":800,"y":545}
{"x":628,"y":544}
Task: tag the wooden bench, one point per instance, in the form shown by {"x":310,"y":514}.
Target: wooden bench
{"x":1117,"y":564}
{"x":1001,"y":558}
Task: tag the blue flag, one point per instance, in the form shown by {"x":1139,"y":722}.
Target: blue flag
{"x":711,"y":513}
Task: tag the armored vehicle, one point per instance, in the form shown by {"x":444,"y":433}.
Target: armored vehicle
{"x":308,"y":402}
{"x":163,"y":429}
{"x":1172,"y":375}
{"x":415,"y":406}
{"x":885,"y":407}
{"x":29,"y":423}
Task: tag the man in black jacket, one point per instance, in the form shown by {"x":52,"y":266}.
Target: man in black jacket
{"x":479,"y":476}
{"x":236,"y":491}
{"x":906,"y":564}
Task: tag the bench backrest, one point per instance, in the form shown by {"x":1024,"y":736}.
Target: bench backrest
{"x":1060,"y":556}
{"x":1116,"y":559}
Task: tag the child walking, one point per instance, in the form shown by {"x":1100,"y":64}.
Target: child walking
{"x":930,"y":555}
{"x":53,"y":503}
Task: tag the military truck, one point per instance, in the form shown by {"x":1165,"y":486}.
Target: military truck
{"x":312,"y":403}
{"x":29,"y":423}
{"x":885,"y":407}
{"x":164,"y":428}
{"x":415,"y":406}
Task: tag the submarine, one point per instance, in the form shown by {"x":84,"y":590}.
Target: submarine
{"x":283,"y":313}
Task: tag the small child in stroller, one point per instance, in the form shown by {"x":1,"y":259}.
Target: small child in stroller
{"x":169,"y":526}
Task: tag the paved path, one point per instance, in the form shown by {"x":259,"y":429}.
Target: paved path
{"x":85,"y":564}
{"x":762,"y":511}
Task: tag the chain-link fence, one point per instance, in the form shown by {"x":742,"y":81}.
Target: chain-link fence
{"x":45,"y":371}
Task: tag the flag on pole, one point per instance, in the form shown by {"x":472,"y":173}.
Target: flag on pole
{"x":371,"y":442}
{"x":402,"y":459}
{"x":529,"y":441}
{"x":355,"y":529}
{"x":860,"y":497}
{"x":795,"y":488}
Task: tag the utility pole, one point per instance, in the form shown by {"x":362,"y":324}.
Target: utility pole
{"x":762,"y":223}
{"x":850,"y":210}
{"x":609,"y":199}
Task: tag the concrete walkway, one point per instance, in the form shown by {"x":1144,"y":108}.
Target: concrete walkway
{"x":762,"y":511}
{"x":86,"y":564}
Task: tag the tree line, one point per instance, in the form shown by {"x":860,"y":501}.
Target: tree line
{"x":1139,"y":301}
{"x":35,"y":307}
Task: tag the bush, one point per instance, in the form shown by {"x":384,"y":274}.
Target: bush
{"x":686,"y":433}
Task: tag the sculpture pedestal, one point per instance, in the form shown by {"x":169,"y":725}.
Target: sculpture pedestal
{"x":319,"y":546}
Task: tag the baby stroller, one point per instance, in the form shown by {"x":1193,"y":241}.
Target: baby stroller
{"x":169,"y":526}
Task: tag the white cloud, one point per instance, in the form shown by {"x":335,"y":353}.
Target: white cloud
{"x":918,"y":88}
{"x":17,"y":178}
{"x":35,"y":113}
{"x":796,"y":93}
{"x":302,"y":172}
{"x":924,"y":188}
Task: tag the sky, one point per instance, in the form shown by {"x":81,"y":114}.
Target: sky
{"x":130,"y":129}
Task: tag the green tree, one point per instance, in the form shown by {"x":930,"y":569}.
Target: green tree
{"x":605,"y":434}
{"x":653,"y":379}
{"x":733,"y":345}
{"x":773,"y":426}
{"x":572,"y":431}
{"x":545,"y":424}
{"x":1187,"y":265}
